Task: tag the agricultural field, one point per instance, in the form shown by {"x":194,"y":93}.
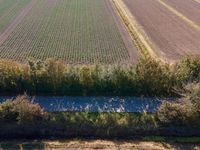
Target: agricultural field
{"x":170,"y":26}
{"x":92,"y":31}
{"x":189,"y":8}
{"x":75,"y":31}
{"x":9,"y":9}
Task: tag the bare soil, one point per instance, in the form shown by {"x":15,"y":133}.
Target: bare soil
{"x":16,"y":21}
{"x":97,"y":144}
{"x":189,"y":8}
{"x":171,"y":35}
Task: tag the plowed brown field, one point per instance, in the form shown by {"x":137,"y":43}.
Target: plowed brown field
{"x":189,"y":8}
{"x":171,"y":35}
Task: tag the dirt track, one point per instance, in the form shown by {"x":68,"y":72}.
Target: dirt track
{"x":16,"y":21}
{"x":189,"y":8}
{"x":171,"y":35}
{"x":120,"y":145}
{"x":125,"y":36}
{"x":97,"y":144}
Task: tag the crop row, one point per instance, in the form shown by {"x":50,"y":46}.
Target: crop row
{"x":78,"y":31}
{"x":9,"y":10}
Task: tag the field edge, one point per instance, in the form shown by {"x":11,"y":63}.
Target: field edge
{"x":140,"y":40}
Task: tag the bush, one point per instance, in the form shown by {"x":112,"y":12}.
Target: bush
{"x":172,"y":113}
{"x":154,"y":78}
{"x":149,"y":77}
{"x":184,"y":112}
{"x":10,"y":74}
{"x":192,"y":93}
{"x":188,"y":70}
{"x":22,"y":111}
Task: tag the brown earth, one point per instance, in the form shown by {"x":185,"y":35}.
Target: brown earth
{"x":170,"y":34}
{"x":198,"y":1}
{"x":97,"y":144}
{"x":189,"y":8}
{"x":124,"y":33}
{"x":16,"y":21}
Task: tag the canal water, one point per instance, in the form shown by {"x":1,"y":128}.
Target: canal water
{"x":95,"y":104}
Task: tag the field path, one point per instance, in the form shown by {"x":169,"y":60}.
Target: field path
{"x":138,"y":34}
{"x":16,"y":21}
{"x":124,"y":33}
{"x":98,"y":144}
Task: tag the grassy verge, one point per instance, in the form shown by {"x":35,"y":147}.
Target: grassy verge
{"x":95,"y":125}
{"x":139,"y":40}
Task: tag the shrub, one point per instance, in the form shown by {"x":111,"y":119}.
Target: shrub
{"x":184,"y":112}
{"x":188,"y":70}
{"x":10,"y":75}
{"x":149,"y":77}
{"x":22,"y":111}
{"x":173,"y":113}
{"x":154,"y":77}
{"x":192,"y":93}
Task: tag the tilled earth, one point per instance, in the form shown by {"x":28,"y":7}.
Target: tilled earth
{"x":171,"y":35}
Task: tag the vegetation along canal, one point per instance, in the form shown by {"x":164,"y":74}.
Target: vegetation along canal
{"x":95,"y":104}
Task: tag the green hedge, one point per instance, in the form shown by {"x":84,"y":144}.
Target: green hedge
{"x":148,"y":77}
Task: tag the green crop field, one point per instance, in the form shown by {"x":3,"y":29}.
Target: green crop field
{"x":9,"y":10}
{"x":76,"y":31}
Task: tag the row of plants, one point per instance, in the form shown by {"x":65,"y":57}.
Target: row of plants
{"x":61,"y":32}
{"x":149,"y":78}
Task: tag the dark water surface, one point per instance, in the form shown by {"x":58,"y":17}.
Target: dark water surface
{"x":95,"y":104}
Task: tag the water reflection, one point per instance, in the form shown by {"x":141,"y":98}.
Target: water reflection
{"x":96,"y":104}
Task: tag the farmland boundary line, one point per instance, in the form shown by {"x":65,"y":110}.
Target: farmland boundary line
{"x":140,"y":40}
{"x":16,"y":22}
{"x":180,"y":15}
{"x":127,"y":39}
{"x":198,"y":1}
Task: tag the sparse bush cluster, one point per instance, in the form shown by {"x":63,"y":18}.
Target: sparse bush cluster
{"x":21,"y":111}
{"x":149,"y":77}
{"x":185,"y":112}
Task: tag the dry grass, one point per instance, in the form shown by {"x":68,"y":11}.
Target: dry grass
{"x":98,"y":144}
